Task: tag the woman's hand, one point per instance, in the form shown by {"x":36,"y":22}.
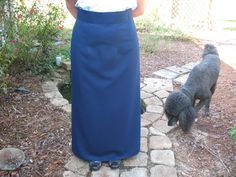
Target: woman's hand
{"x":70,"y":4}
{"x":139,"y":9}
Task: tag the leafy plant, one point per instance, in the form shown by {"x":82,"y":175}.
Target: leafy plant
{"x":233,"y":133}
{"x":30,"y":36}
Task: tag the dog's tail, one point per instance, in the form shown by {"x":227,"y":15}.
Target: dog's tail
{"x":209,"y":49}
{"x":186,"y":118}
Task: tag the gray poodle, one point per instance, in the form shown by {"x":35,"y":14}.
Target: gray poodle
{"x":201,"y":84}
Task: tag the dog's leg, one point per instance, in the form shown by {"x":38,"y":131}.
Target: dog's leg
{"x":205,"y":102}
{"x":213,"y":88}
{"x":200,"y":105}
{"x":207,"y":107}
{"x":208,"y":101}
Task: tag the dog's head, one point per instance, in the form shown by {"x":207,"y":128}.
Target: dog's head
{"x":210,"y":49}
{"x":178,"y":107}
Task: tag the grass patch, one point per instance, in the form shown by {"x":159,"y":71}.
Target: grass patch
{"x":231,"y":21}
{"x":151,"y":33}
{"x":230,"y":28}
{"x":231,"y":25}
{"x":233,"y":133}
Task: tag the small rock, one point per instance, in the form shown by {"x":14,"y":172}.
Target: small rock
{"x":22,"y":90}
{"x":233,"y":158}
{"x":11,"y":158}
{"x":66,"y":65}
{"x":3,"y":90}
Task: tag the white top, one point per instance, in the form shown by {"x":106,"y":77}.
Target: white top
{"x":106,"y":5}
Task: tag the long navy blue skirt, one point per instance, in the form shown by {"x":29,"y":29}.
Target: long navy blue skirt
{"x":105,"y":86}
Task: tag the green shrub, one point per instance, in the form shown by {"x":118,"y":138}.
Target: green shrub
{"x":30,"y":35}
{"x":233,"y":133}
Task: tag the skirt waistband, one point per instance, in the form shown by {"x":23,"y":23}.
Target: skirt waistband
{"x":104,"y":17}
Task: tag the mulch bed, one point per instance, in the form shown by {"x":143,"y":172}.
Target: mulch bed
{"x":31,"y":123}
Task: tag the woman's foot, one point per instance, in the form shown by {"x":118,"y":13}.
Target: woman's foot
{"x":114,"y":164}
{"x":95,"y":165}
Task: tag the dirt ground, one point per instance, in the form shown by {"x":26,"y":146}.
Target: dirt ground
{"x":207,"y":151}
{"x":28,"y":121}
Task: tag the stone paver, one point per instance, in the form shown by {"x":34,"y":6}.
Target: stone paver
{"x":144,"y":132}
{"x":144,"y":144}
{"x":160,"y":142}
{"x":57,"y":101}
{"x":179,"y":70}
{"x":49,"y":86}
{"x":163,"y":171}
{"x":67,"y":108}
{"x":139,"y":160}
{"x":153,"y":101}
{"x":163,"y":157}
{"x":182,"y":79}
{"x":145,"y":95}
{"x":161,"y":125}
{"x":145,"y":123}
{"x":151,"y":117}
{"x":77,"y":166}
{"x":53,"y":94}
{"x":161,"y":94}
{"x":190,"y":65}
{"x":106,"y":172}
{"x":154,"y":109}
{"x":164,"y":73}
{"x":135,"y":172}
{"x":71,"y":174}
{"x":155,"y":84}
{"x":153,"y":131}
{"x":156,"y":147}
{"x":142,"y":85}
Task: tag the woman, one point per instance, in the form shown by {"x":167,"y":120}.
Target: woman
{"x":105,"y":81}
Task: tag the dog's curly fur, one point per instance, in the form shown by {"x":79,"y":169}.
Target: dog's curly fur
{"x":201,"y":84}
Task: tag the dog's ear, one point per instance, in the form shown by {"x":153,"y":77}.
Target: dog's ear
{"x":186,"y":118}
{"x":172,"y":121}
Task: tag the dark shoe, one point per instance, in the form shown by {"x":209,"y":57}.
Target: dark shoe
{"x":95,"y":165}
{"x":114,"y":164}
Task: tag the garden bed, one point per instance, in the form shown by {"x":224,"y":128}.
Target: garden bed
{"x":30,"y":122}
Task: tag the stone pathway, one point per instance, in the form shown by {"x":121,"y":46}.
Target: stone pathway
{"x":156,"y":158}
